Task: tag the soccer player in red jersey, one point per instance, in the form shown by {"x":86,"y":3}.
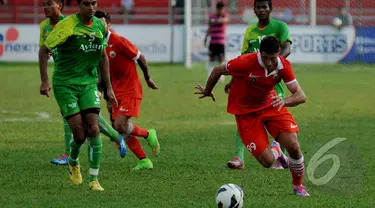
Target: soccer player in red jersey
{"x":258,"y":109}
{"x":127,"y":87}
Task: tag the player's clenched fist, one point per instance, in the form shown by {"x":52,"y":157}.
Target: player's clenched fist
{"x":45,"y":88}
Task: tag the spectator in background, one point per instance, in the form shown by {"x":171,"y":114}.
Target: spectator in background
{"x":344,"y":16}
{"x":217,"y":32}
{"x":3,"y":2}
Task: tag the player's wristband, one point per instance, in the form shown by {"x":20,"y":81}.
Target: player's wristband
{"x":147,"y":78}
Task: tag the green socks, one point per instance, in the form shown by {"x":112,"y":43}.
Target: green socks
{"x":95,"y":155}
{"x":74,"y":152}
{"x":68,"y":135}
{"x":106,"y":129}
{"x":240,"y":148}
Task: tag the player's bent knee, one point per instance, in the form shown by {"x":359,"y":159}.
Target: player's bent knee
{"x":294,"y":149}
{"x":93,"y":130}
{"x":121,"y":127}
{"x":266,"y":159}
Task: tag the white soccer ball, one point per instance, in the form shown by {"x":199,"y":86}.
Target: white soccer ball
{"x":229,"y":196}
{"x":337,"y":22}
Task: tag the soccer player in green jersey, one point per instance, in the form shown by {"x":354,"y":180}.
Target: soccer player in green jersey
{"x":266,"y":26}
{"x":53,"y":11}
{"x":77,"y":45}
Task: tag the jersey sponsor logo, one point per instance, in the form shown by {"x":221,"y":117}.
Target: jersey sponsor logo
{"x":293,"y":126}
{"x":72,"y":105}
{"x":123,"y":109}
{"x":253,"y":76}
{"x":91,"y":47}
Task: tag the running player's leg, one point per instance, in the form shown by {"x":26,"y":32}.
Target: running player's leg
{"x":130,"y":107}
{"x":255,"y":139}
{"x":67,"y":99}
{"x":127,"y":108}
{"x":107,"y":129}
{"x":89,"y":104}
{"x":124,"y":126}
{"x":63,"y":159}
{"x":284,"y":128}
{"x":238,"y":161}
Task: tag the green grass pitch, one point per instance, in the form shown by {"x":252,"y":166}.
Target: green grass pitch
{"x":197,"y":139}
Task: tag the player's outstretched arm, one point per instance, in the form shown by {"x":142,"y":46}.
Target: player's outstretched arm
{"x":146,"y":74}
{"x":104,"y":66}
{"x":45,"y":86}
{"x":297,"y":97}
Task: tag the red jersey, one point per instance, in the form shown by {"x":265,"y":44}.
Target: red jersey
{"x":124,"y":77}
{"x":252,"y":86}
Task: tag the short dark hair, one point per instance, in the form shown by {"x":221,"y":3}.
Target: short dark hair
{"x":269,"y":2}
{"x":269,"y":44}
{"x":78,"y":1}
{"x":220,"y":5}
{"x":100,"y":14}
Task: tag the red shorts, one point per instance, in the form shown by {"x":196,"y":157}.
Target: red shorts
{"x":253,"y":127}
{"x":127,"y":107}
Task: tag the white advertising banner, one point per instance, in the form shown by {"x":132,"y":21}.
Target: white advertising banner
{"x":159,"y":43}
{"x":322,"y":44}
{"x":21,"y":42}
{"x":155,"y":41}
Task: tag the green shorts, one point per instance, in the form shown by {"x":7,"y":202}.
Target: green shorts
{"x":73,"y":99}
{"x":279,"y":88}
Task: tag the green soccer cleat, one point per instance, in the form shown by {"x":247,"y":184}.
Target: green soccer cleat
{"x":144,"y":164}
{"x":153,"y":142}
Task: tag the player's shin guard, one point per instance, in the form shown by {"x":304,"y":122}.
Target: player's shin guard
{"x":68,"y":135}
{"x":74,"y":152}
{"x":95,"y":156}
{"x":240,"y":148}
{"x":107,"y":129}
{"x":297,"y":167}
{"x":136,"y":147}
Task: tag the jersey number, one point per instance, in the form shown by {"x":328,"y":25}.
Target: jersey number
{"x":92,"y":36}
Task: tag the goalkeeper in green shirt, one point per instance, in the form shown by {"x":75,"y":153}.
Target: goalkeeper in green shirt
{"x":77,"y":44}
{"x":254,"y":33}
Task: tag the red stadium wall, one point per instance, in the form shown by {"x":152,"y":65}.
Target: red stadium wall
{"x":22,"y":11}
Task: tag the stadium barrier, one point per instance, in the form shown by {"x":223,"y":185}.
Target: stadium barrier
{"x":163,"y":43}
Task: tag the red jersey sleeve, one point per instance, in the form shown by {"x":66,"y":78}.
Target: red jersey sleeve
{"x":128,"y":49}
{"x":287,"y":73}
{"x":238,"y":66}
